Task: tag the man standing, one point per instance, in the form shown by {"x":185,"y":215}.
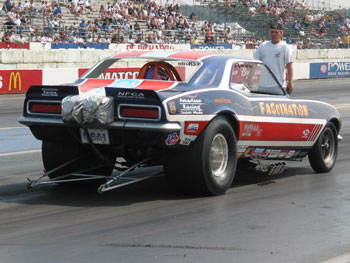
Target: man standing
{"x":277,"y":55}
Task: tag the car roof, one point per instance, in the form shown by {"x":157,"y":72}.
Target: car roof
{"x":177,"y":55}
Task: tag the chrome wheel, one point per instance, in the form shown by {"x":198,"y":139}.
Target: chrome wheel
{"x":327,"y":146}
{"x":218,"y":156}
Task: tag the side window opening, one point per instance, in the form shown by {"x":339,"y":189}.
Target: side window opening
{"x":255,"y":77}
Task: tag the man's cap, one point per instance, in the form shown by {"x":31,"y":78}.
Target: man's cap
{"x":276,"y":26}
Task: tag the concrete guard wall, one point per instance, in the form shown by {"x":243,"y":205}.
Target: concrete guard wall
{"x":61,"y":65}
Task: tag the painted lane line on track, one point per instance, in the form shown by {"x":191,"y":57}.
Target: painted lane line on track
{"x":340,"y":259}
{"x":10,"y":128}
{"x":342,"y":106}
{"x":18,"y":153}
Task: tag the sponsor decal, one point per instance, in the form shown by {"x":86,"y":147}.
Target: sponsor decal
{"x":266,"y":153}
{"x":172,"y":139}
{"x":49,"y":92}
{"x":115,"y":73}
{"x":189,"y":63}
{"x":283,"y":109}
{"x":172,"y":107}
{"x":131,"y":95}
{"x":274,"y":154}
{"x":185,"y":141}
{"x":194,"y":128}
{"x":258,"y":152}
{"x":248,"y":152}
{"x":330,"y":70}
{"x":283,"y":154}
{"x":191,"y":106}
{"x":306,"y":134}
{"x":251,"y":129}
{"x":240,"y":150}
{"x":290,"y":154}
{"x":222,"y":100}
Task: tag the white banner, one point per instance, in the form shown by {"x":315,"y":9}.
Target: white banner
{"x":150,"y":47}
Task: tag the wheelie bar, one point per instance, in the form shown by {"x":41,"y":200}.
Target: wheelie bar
{"x":133,"y":174}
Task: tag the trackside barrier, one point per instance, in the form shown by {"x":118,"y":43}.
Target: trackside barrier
{"x":20,"y":68}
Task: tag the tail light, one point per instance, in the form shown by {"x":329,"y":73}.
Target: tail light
{"x":139,"y":112}
{"x":44,"y":107}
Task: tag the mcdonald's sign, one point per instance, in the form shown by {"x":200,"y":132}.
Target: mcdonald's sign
{"x":15,"y":81}
{"x":19,"y":81}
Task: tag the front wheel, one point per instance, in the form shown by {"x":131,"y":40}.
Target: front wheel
{"x":323,"y":155}
{"x":209,"y":166}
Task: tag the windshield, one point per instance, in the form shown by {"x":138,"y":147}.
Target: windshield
{"x":256,"y":78}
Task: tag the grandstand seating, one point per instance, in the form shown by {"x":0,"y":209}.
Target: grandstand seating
{"x":217,"y":10}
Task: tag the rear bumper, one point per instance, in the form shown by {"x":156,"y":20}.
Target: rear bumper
{"x":127,"y":124}
{"x":120,"y":132}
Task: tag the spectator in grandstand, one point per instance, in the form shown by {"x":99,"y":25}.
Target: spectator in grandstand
{"x":339,"y":42}
{"x":277,"y":56}
{"x":312,"y":32}
{"x":193,"y":16}
{"x":57,"y":12}
{"x":7,"y":6}
{"x":6,"y":37}
{"x":346,"y":40}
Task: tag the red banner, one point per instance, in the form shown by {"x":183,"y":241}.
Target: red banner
{"x":14,"y":45}
{"x":18,"y":81}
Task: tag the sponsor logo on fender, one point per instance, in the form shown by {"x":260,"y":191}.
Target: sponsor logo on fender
{"x":15,"y":81}
{"x":283,"y":109}
{"x":191,"y":106}
{"x":306,"y":134}
{"x":172,"y":139}
{"x":172,"y":107}
{"x":192,"y":128}
{"x":49,"y":92}
{"x":251,"y":129}
{"x":133,"y":95}
{"x":185,"y":141}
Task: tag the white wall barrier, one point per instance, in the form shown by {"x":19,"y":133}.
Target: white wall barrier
{"x":62,"y":66}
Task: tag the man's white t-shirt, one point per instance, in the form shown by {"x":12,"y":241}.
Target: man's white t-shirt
{"x":276,"y":57}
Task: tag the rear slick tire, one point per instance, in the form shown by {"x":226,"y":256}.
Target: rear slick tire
{"x":55,"y":154}
{"x":323,"y":155}
{"x":209,"y":166}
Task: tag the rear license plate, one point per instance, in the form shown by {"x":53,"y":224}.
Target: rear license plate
{"x":98,"y":136}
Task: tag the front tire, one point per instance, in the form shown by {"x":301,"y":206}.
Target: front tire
{"x":55,"y":154}
{"x":209,"y":166}
{"x":323,"y":155}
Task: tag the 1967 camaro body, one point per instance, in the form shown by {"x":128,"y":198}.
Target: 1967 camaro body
{"x":197,"y":114}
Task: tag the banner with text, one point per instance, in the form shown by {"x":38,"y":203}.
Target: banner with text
{"x":329,"y":70}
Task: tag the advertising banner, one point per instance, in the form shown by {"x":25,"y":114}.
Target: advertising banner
{"x":329,"y":70}
{"x":212,"y":47}
{"x":18,"y":81}
{"x":79,"y":46}
{"x":149,"y":47}
{"x":6,"y":45}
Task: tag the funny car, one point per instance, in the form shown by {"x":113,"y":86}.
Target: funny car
{"x":195,"y":114}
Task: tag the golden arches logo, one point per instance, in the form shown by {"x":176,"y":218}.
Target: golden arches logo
{"x":15,"y":78}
